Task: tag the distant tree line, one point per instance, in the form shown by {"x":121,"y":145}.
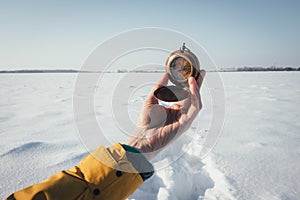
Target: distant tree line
{"x":41,"y":71}
{"x":239,"y":69}
{"x":253,"y":69}
{"x":268,"y":69}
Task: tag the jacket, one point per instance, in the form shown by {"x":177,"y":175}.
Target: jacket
{"x":107,"y":173}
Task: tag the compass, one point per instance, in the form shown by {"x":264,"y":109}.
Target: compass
{"x":180,"y":65}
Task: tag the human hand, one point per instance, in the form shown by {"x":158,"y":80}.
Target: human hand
{"x":158,"y":126}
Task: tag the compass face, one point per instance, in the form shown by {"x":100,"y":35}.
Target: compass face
{"x":180,"y":69}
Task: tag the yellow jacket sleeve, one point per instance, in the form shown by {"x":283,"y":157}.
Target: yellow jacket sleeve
{"x":107,"y":173}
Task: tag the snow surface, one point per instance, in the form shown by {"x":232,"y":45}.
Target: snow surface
{"x":257,"y":156}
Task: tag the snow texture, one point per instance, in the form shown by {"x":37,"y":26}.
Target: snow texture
{"x":257,"y":156}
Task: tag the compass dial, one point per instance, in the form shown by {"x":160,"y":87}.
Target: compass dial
{"x":180,"y":69}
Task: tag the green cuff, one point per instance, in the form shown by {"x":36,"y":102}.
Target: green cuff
{"x":139,"y":162}
{"x":130,"y":149}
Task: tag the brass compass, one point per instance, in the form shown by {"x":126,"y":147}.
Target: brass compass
{"x":180,"y":65}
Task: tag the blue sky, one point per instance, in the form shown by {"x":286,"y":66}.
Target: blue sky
{"x":61,"y":34}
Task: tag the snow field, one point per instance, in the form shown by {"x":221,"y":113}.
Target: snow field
{"x":257,"y":156}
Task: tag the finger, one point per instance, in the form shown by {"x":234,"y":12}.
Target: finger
{"x":162,"y":82}
{"x":194,"y":88}
{"x":201,"y":77}
{"x":176,"y":106}
{"x":195,"y":99}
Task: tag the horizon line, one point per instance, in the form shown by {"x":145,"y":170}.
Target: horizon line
{"x":232,"y":69}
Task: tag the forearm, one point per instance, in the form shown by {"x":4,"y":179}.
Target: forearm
{"x":106,"y":173}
